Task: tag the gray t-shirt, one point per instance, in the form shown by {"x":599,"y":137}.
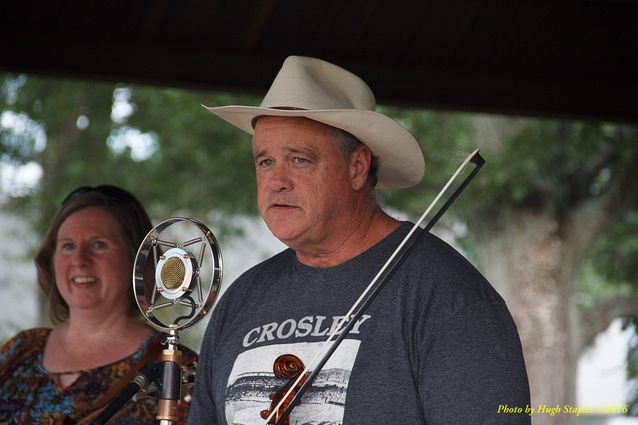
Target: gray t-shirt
{"x":437,"y":346}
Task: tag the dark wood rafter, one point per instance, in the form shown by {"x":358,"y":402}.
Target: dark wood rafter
{"x":574,"y":59}
{"x":252,"y":35}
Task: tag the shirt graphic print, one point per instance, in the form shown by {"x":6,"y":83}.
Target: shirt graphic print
{"x":252,"y":380}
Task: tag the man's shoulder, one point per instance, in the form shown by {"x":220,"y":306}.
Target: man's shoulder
{"x":431,"y":252}
{"x":445,"y":271}
{"x":439,"y":250}
{"x":269,"y":265}
{"x":259,"y":273}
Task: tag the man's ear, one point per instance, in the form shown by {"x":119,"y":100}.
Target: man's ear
{"x":360,"y":162}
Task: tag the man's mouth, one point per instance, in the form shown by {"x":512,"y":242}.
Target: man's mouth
{"x":282,"y":206}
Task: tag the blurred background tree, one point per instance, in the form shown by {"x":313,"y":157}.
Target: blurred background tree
{"x":551,"y":220}
{"x":161,"y":144}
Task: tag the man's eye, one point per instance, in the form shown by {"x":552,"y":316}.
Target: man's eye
{"x":265,"y":163}
{"x":299,"y":160}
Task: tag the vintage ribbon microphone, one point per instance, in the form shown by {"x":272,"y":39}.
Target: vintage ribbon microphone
{"x":278,"y":414}
{"x":176,"y":278}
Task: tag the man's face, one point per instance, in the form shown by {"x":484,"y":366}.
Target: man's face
{"x":304,"y":189}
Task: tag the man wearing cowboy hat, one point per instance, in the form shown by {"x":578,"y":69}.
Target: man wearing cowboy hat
{"x":437,"y":346}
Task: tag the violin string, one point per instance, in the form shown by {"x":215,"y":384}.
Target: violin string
{"x":326,"y":345}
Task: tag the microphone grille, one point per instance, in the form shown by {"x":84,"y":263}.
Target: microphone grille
{"x":173,"y":273}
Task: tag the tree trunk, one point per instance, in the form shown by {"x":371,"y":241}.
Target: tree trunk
{"x":527,"y":261}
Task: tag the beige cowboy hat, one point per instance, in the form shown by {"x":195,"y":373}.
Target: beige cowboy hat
{"x":319,"y":90}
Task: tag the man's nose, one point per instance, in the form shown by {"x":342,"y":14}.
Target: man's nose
{"x":280,"y":179}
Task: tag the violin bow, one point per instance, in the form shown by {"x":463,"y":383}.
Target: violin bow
{"x":375,"y":286}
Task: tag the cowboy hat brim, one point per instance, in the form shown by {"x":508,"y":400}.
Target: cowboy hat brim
{"x":401,"y":162}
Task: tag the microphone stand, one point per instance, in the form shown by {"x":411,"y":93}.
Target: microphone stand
{"x":147,"y":374}
{"x":167,"y":373}
{"x":171,"y":381}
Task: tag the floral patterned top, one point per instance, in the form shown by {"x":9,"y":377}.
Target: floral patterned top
{"x":29,"y":394}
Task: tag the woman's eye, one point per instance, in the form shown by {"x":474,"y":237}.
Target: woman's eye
{"x":99,"y":245}
{"x":67,"y":246}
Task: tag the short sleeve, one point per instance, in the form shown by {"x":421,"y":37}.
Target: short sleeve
{"x":474,"y":365}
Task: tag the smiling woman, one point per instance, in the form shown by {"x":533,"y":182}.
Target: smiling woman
{"x":90,"y":271}
{"x":127,"y":223}
{"x":68,"y":373}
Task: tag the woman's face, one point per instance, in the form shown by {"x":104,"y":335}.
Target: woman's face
{"x":92,"y":264}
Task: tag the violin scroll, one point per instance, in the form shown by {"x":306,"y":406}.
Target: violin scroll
{"x":286,"y":366}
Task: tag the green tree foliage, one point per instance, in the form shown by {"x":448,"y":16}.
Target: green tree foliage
{"x":445,"y":139}
{"x":166,"y":148}
{"x":159,"y":143}
{"x":201,"y":162}
{"x":74,"y":117}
